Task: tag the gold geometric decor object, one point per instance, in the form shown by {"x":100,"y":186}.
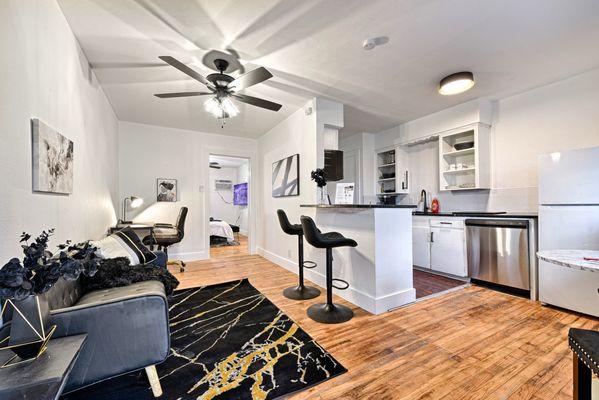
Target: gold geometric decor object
{"x":29,"y":331}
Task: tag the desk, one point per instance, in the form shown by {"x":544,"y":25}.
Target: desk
{"x":43,"y":378}
{"x":135,"y":226}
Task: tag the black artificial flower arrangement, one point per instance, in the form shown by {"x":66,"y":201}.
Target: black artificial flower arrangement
{"x":40,"y":269}
{"x":318,"y":176}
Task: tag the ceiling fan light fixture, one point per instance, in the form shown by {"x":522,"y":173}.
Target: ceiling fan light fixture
{"x":456,"y":83}
{"x":221,"y":107}
{"x":229,"y":107}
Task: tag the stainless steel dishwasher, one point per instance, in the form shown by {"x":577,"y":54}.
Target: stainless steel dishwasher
{"x":498,"y":252}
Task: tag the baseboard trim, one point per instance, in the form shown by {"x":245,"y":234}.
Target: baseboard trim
{"x":189,"y":256}
{"x":371,"y":304}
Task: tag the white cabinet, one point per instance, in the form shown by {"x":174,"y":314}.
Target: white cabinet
{"x":421,"y":246}
{"x":439,"y":244}
{"x":448,"y":252}
{"x":464,"y":158}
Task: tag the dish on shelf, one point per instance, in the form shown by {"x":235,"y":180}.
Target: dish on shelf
{"x":387,"y":175}
{"x":464,"y":145}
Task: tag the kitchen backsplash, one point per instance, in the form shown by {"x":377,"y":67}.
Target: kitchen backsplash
{"x":509,"y":199}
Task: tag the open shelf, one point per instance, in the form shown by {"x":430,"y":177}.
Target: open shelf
{"x":459,"y":171}
{"x":476,"y":158}
{"x":387,"y":165}
{"x":457,"y":153}
{"x":386,"y":179}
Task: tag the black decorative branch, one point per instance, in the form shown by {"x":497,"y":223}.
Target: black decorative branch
{"x":40,"y":269}
{"x":319,"y":176}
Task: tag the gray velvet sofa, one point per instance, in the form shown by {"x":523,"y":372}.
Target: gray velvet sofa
{"x":127,"y":329}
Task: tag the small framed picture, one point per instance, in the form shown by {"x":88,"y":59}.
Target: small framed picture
{"x":166,"y":189}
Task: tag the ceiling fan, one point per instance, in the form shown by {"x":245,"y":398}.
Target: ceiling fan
{"x":223,"y":87}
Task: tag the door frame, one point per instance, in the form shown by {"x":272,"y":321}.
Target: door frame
{"x":252,"y":157}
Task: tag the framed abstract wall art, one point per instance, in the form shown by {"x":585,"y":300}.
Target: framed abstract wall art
{"x":52,"y":158}
{"x":285,"y":177}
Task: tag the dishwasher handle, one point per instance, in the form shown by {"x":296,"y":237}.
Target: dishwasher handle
{"x":497,"y":223}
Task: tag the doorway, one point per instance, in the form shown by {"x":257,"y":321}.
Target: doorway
{"x":229,"y":191}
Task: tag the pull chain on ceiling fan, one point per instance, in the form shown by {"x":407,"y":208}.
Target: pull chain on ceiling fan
{"x":223,"y":87}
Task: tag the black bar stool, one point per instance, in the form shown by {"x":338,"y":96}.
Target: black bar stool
{"x":299,"y":292}
{"x":328,"y":313}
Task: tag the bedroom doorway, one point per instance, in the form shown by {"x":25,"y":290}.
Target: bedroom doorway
{"x":229,"y":205}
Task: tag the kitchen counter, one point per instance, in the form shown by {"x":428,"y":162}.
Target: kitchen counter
{"x":571,"y":259}
{"x":476,"y":214}
{"x":379,"y":268}
{"x":357,"y":206}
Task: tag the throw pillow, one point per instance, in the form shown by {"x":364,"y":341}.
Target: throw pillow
{"x":124,"y":243}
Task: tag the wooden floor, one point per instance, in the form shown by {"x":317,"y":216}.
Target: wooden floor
{"x":472,"y":343}
{"x":427,"y":283}
{"x":227,"y":251}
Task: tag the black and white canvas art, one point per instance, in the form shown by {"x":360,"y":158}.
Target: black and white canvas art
{"x":52,"y":160}
{"x":285,"y":177}
{"x":166,"y":189}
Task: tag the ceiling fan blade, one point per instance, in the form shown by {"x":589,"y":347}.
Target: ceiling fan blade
{"x":250,"y":78}
{"x":185,"y":69}
{"x":254,"y":101}
{"x":181,"y":94}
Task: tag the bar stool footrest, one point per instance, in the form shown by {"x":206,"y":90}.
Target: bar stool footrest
{"x":340,"y":287}
{"x":310,"y":264}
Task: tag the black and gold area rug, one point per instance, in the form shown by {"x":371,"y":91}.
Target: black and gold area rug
{"x":228,"y":341}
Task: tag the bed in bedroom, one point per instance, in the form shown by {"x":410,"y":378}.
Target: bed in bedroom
{"x":221,"y":229}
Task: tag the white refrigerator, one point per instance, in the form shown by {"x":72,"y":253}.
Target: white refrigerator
{"x":569,"y":220}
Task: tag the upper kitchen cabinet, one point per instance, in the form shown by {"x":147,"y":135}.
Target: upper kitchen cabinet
{"x":464,"y":158}
{"x":392,"y":178}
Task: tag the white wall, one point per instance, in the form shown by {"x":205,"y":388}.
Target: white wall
{"x":222,"y":207}
{"x":559,"y":116}
{"x":365,"y":143}
{"x":296,"y":134}
{"x":148,"y":152}
{"x":44,"y":74}
{"x":303,"y":134}
{"x":221,"y":201}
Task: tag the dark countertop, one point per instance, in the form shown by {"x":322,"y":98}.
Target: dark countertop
{"x":357,"y":206}
{"x":476,"y":214}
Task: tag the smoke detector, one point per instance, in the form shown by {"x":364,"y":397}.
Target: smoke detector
{"x":371,"y":43}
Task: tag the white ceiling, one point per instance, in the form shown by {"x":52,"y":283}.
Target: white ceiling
{"x":231,"y":162}
{"x":313,"y":48}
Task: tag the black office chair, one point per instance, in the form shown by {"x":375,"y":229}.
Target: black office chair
{"x":299,"y":292}
{"x":328,"y":313}
{"x":165,"y":235}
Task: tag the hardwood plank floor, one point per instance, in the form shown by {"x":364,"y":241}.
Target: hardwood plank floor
{"x":427,"y":283}
{"x":227,"y":251}
{"x":472,"y":343}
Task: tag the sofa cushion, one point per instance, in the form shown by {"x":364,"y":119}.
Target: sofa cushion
{"x":124,"y":243}
{"x":103,"y":296}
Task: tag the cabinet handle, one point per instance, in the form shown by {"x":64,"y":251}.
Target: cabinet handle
{"x":432,"y":237}
{"x":445,"y":223}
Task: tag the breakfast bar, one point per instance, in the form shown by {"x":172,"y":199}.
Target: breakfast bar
{"x":379,"y":269}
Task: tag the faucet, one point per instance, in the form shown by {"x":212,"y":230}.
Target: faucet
{"x":423,"y":199}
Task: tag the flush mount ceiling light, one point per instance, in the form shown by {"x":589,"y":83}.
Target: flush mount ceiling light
{"x":456,"y":83}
